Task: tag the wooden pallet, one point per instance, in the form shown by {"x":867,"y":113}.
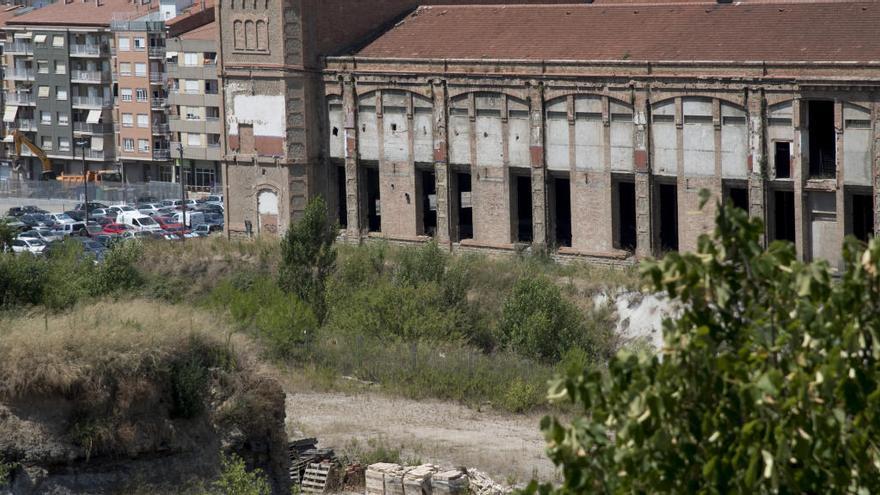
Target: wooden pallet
{"x":315,"y":478}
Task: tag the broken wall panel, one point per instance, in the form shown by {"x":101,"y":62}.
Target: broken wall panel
{"x":395,"y":126}
{"x":518,"y":133}
{"x":734,"y":142}
{"x":664,"y":138}
{"x":489,"y":130}
{"x":588,"y":131}
{"x":698,"y":137}
{"x":423,"y":130}
{"x":621,"y":129}
{"x":557,"y":135}
{"x":336,"y":127}
{"x":368,"y":132}
{"x":459,"y":132}
{"x":857,"y":136}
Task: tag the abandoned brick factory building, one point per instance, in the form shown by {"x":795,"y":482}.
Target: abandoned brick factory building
{"x":588,"y":129}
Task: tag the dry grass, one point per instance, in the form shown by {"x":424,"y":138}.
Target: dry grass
{"x":49,"y":354}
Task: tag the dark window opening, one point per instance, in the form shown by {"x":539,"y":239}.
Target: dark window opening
{"x":374,"y":204}
{"x":464,"y":206}
{"x":335,"y":131}
{"x":863,"y":216}
{"x":823,"y":152}
{"x":783,"y":216}
{"x":782,"y":158}
{"x":524,"y":209}
{"x":626,"y":216}
{"x":739,"y":198}
{"x":668,"y":197}
{"x":341,"y":198}
{"x":429,"y":203}
{"x":562,"y":210}
{"x":394,"y":127}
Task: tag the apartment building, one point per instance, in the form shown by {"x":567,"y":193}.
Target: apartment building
{"x":59,"y":87}
{"x":194,"y":101}
{"x":142,"y":142}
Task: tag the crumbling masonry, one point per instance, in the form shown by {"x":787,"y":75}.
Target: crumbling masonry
{"x":588,"y":130}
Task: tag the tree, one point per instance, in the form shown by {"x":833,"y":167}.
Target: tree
{"x":235,"y":479}
{"x":768,"y":380}
{"x":7,"y":235}
{"x":308,"y":256}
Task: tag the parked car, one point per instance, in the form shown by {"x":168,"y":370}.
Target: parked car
{"x":14,"y":223}
{"x":149,"y":208}
{"x":74,"y":228}
{"x":106,"y":240}
{"x":204,"y":230}
{"x":61,"y":218}
{"x":18,"y":211}
{"x":45,"y":236}
{"x":181,"y":231}
{"x":93,"y":205}
{"x":166,"y":221}
{"x":138,"y":221}
{"x":210,"y":208}
{"x":78,"y":215}
{"x":176,"y":203}
{"x":37,"y":220}
{"x":92,"y":249}
{"x":114,"y":211}
{"x":147,"y":199}
{"x":215,"y":199}
{"x":28,"y":245}
{"x":115,"y":228}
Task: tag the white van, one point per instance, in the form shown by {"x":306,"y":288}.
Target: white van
{"x":193,"y":218}
{"x":138,"y":221}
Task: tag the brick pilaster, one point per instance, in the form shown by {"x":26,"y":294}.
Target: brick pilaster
{"x":540,"y":221}
{"x":353,"y":194}
{"x":757,"y":165}
{"x":441,"y":166}
{"x":643,"y":183}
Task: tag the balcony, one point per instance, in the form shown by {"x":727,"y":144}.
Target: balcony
{"x":24,"y":125}
{"x":19,"y":49}
{"x":86,"y":128}
{"x":86,"y":50}
{"x":19,"y":99}
{"x":156,"y":52}
{"x":20,"y":74}
{"x":161,"y":128}
{"x":89,"y":77}
{"x":99,"y":155}
{"x":161,"y":154}
{"x":96,"y":102}
{"x":158,"y":103}
{"x":211,"y":152}
{"x":177,"y":71}
{"x":157,"y":78}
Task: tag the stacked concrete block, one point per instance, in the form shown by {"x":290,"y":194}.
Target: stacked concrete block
{"x":417,"y":481}
{"x":375,"y":477}
{"x":451,"y":482}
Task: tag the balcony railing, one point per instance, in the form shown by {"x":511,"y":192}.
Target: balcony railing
{"x":157,"y":77}
{"x":23,"y":125}
{"x":161,"y":154}
{"x":19,"y":48}
{"x":92,"y":101}
{"x":99,"y":155}
{"x":89,"y":76}
{"x":20,"y":74}
{"x":161,"y":128}
{"x":158,"y":102}
{"x":19,"y":98}
{"x":156,"y":51}
{"x":86,"y":50}
{"x":86,"y":128}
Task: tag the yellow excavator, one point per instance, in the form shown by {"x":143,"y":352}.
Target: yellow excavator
{"x":18,"y":139}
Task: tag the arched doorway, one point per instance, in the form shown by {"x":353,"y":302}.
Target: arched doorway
{"x":267,"y":209}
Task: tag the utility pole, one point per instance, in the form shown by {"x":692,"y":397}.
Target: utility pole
{"x":82,"y":143}
{"x":182,"y":184}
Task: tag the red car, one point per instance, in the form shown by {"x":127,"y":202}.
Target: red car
{"x":115,"y":228}
{"x":167,"y":222}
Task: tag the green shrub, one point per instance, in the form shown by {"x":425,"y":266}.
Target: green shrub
{"x":235,"y":479}
{"x":538,"y":322}
{"x":7,"y":235}
{"x":6,"y":469}
{"x":417,"y":266}
{"x":119,"y":270}
{"x":69,"y":277}
{"x":308,"y":256}
{"x":22,"y":279}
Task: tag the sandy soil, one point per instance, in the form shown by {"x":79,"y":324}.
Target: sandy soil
{"x":510,"y":448}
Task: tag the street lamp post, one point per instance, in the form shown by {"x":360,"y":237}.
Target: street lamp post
{"x":83,"y":143}
{"x":182,"y":183}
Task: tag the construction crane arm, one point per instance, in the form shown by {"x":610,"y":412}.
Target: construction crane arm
{"x":18,"y":139}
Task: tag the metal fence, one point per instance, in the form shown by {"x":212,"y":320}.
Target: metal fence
{"x":106,"y":192}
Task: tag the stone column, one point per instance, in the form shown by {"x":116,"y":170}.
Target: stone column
{"x":539,"y":170}
{"x":800,"y":170}
{"x":757,"y":164}
{"x":353,"y":194}
{"x":441,"y":166}
{"x":875,"y":165}
{"x":642,"y":169}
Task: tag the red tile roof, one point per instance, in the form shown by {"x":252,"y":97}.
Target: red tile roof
{"x":85,"y":13}
{"x":748,"y":31}
{"x":7,"y":13}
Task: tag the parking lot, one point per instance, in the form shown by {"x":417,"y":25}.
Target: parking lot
{"x":41,"y":225}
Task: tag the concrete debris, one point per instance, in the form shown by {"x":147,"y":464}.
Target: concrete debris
{"x":428,"y":479}
{"x":482,"y":484}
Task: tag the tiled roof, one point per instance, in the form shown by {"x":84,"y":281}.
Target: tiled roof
{"x":85,"y":13}
{"x":7,"y":13}
{"x":748,"y":31}
{"x":208,"y":32}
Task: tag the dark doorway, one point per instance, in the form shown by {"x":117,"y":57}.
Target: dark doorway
{"x":464,"y":207}
{"x":739,"y":198}
{"x":429,"y":203}
{"x":783,"y":216}
{"x":523,"y":209}
{"x":341,"y":198}
{"x":863,"y":216}
{"x":562,"y":209}
{"x":668,"y":197}
{"x":782,"y":158}
{"x":822,"y":139}
{"x":374,"y":203}
{"x":626,"y":216}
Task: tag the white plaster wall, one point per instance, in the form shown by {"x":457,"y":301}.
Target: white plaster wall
{"x":518,"y":138}
{"x":423,"y":139}
{"x":264,"y":112}
{"x":459,"y":137}
{"x":368,"y":135}
{"x":489,"y":139}
{"x":394,"y":124}
{"x":699,"y":137}
{"x":734,"y":143}
{"x":856,"y":145}
{"x":336,"y":121}
{"x":824,"y":234}
{"x":664,"y":140}
{"x":621,"y":142}
{"x":557,"y":136}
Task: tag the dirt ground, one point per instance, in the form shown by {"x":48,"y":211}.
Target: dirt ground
{"x":510,"y":448}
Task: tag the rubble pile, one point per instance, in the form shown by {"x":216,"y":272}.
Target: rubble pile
{"x":428,"y":479}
